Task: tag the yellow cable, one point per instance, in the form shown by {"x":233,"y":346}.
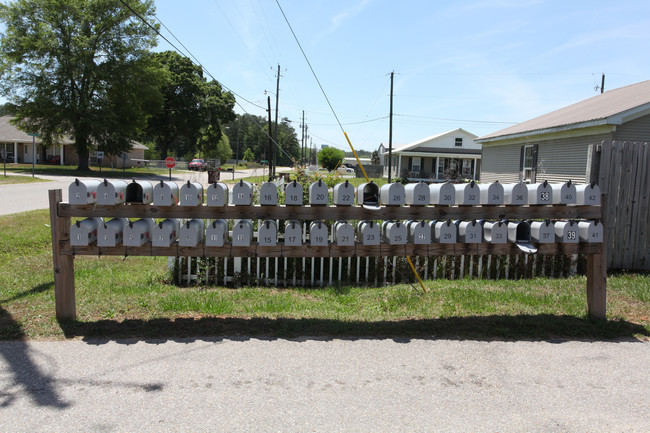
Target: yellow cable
{"x":368,"y":180}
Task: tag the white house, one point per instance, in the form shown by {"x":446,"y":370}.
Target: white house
{"x":436,"y":158}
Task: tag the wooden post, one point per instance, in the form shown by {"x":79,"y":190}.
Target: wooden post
{"x":597,"y":274}
{"x":64,"y":294}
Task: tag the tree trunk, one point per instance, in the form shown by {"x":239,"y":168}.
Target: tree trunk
{"x":81,"y":144}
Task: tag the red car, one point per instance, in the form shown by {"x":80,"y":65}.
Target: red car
{"x":198,"y":165}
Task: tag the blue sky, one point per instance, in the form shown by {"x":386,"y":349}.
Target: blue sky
{"x":477,"y":65}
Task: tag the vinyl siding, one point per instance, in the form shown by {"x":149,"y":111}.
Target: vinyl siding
{"x":500,"y":163}
{"x":557,"y":160}
{"x":634,"y":130}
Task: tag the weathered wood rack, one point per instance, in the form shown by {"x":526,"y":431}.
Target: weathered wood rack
{"x":63,"y":253}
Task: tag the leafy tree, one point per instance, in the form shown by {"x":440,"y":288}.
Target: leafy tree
{"x":192,"y":109}
{"x":250,"y":132}
{"x":374,"y":158}
{"x":330,"y":158}
{"x":80,"y":68}
{"x":248,"y":155}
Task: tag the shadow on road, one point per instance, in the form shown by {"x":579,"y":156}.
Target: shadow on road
{"x":40,"y":386}
{"x":489,"y":328}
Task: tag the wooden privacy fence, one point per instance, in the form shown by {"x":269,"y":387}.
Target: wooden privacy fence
{"x":329,"y":259}
{"x":622,"y":170}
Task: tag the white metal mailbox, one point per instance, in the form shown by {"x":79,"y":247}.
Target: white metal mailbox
{"x":368,"y":194}
{"x":470,"y":232}
{"x":567,"y":232}
{"x":111,"y":193}
{"x":318,"y":193}
{"x":443,"y":193}
{"x":590,"y":231}
{"x":191,"y":233}
{"x":191,"y":194}
{"x":242,"y":233}
{"x":419,"y":232}
{"x":444,"y":232}
{"x":216,"y":234}
{"x":495,"y":232}
{"x":110,"y":233}
{"x":139,"y":191}
{"x":318,"y":236}
{"x":492,"y":193}
{"x":394,"y":232}
{"x":467,"y":193}
{"x":293,"y":234}
{"x":83,"y":191}
{"x":268,"y":233}
{"x":343,"y":194}
{"x":417,"y":194}
{"x":269,"y":194}
{"x":138,"y":233}
{"x":165,"y":233}
{"x":392,"y":194}
{"x":540,"y":193}
{"x":293,"y":194}
{"x":217,"y":194}
{"x":165,"y":193}
{"x":343,"y":234}
{"x":542,"y":232}
{"x":84,"y":232}
{"x":242,"y":193}
{"x":369,"y":233}
{"x":515,"y":193}
{"x":518,"y":231}
{"x":564,"y":193}
{"x":588,"y":194}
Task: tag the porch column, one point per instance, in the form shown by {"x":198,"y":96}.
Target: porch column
{"x":61,"y":160}
{"x":15,"y":153}
{"x":475,"y":163}
{"x":399,"y":166}
{"x":437,"y":163}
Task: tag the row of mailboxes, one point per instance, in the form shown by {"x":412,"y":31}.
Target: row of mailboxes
{"x":392,"y":194}
{"x":194,"y":231}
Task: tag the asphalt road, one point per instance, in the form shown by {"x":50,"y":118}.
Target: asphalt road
{"x":320,"y":385}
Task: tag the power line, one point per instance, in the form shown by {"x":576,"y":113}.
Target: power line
{"x":310,"y":66}
{"x":207,"y":72}
{"x":457,"y":120}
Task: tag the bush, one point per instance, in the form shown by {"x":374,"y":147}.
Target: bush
{"x":330,"y":158}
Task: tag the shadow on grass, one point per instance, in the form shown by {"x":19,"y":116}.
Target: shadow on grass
{"x":489,"y":328}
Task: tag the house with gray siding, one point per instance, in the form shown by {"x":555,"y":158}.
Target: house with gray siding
{"x":555,"y":146}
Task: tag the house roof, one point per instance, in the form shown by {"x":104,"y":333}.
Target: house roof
{"x":608,"y":108}
{"x":418,"y":143}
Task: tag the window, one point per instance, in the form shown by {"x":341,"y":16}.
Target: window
{"x":467,"y":168}
{"x":441,"y":168}
{"x":415,"y":164}
{"x":459,"y":141}
{"x":528,"y":162}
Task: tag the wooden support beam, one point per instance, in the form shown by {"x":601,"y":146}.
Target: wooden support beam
{"x":597,"y":274}
{"x":64,"y":292}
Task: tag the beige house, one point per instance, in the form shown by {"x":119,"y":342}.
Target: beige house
{"x":434,"y":158}
{"x":554,"y":146}
{"x":23,"y":148}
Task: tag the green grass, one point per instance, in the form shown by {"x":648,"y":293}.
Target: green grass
{"x":71,"y":170}
{"x":11,"y":180}
{"x":130,"y":297}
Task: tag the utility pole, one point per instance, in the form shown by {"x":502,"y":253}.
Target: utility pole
{"x":602,"y":84}
{"x":269,"y":156}
{"x":302,"y":136}
{"x":275,"y":132}
{"x":390,"y":130}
